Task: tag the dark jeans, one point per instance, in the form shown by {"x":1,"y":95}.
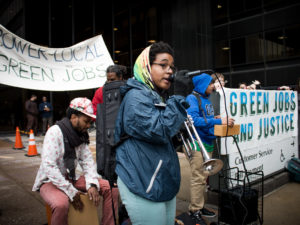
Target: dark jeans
{"x":47,"y":122}
{"x":32,"y":123}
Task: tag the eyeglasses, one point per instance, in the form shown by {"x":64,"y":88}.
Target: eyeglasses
{"x":166,"y":67}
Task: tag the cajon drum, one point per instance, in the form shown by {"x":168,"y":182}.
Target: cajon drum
{"x":89,"y":214}
{"x":221,"y":130}
{"x":49,"y":213}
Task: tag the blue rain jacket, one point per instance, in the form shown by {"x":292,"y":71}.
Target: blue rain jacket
{"x":204,"y":128}
{"x":147,"y":161}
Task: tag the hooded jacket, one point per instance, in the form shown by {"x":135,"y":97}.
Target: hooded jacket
{"x":205,"y":128}
{"x":147,"y":162}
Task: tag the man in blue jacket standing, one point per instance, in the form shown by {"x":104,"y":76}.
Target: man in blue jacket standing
{"x":46,"y":109}
{"x":202,"y":112}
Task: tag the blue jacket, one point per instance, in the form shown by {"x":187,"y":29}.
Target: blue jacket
{"x":204,"y":128}
{"x":45,"y":114}
{"x":147,"y":161}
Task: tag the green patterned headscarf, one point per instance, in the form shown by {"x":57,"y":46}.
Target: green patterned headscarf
{"x":142,"y":68}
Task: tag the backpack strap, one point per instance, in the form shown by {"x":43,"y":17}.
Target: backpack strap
{"x":197,"y":95}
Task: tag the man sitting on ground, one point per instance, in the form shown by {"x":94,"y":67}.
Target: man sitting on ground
{"x":66,"y":145}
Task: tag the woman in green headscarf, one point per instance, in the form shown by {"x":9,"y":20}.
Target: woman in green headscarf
{"x":147,"y":164}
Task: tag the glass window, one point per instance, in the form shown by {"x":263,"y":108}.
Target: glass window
{"x":246,"y":27}
{"x":253,"y":4}
{"x":152,"y":25}
{"x":275,"y":77}
{"x":236,"y":7}
{"x":243,"y":8}
{"x":238,"y":51}
{"x":222,"y":53}
{"x":103,"y":23}
{"x":61,"y":23}
{"x":83,"y":20}
{"x":292,"y":40}
{"x":138,"y":24}
{"x":144,"y":29}
{"x":274,"y":41}
{"x":254,"y":48}
{"x":275,"y":4}
{"x":36,"y":28}
{"x":219,"y":11}
{"x":122,"y":38}
{"x":221,"y":33}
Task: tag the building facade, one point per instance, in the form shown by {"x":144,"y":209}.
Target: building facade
{"x":246,"y":40}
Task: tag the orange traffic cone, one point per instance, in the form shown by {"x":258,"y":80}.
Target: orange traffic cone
{"x":32,"y":151}
{"x":18,"y":141}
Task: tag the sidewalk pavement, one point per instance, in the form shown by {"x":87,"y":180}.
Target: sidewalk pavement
{"x":20,"y":206}
{"x":281,"y":203}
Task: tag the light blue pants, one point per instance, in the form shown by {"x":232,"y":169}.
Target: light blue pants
{"x":142,"y":211}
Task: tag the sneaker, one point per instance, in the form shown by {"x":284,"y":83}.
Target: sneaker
{"x":197,"y":217}
{"x":207,"y":213}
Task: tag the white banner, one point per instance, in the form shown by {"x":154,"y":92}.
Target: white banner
{"x":26,"y":65}
{"x":269,"y":128}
